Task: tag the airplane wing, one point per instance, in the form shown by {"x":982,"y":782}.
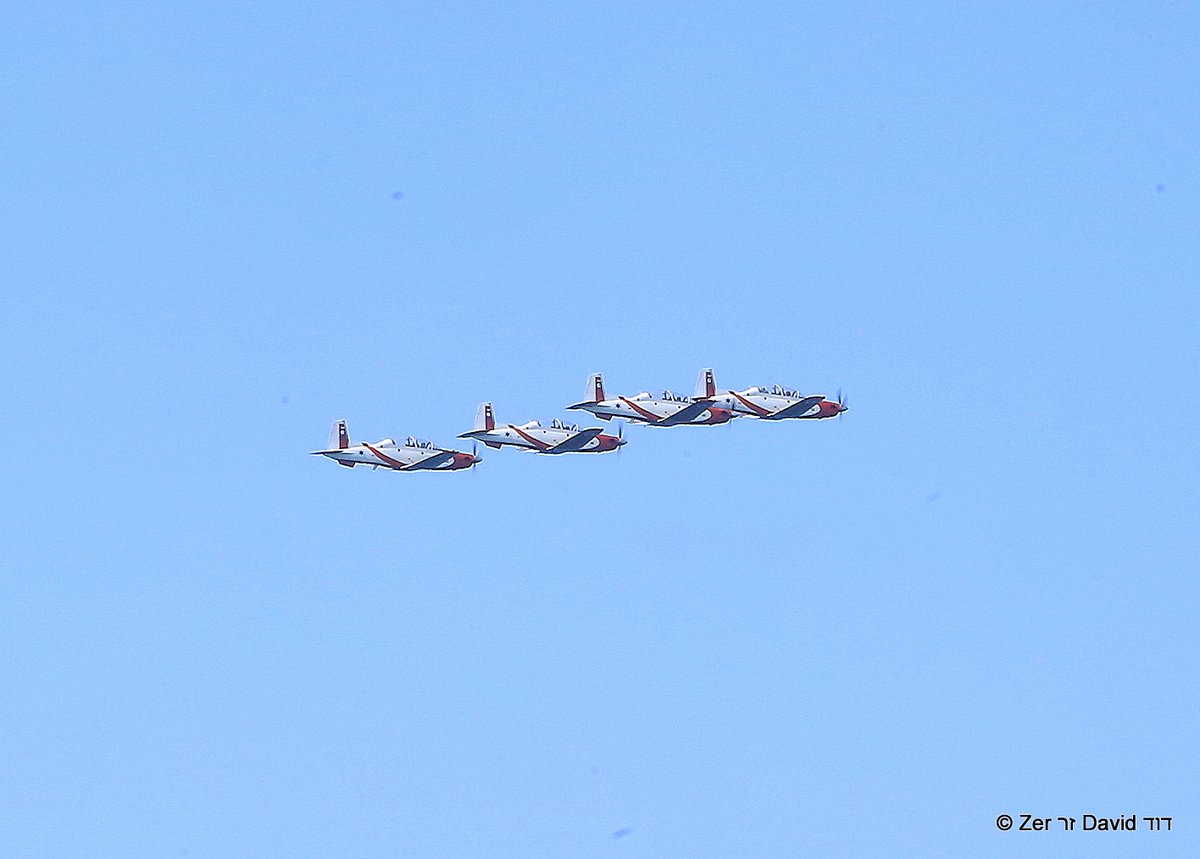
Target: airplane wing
{"x":436,"y":461}
{"x":796,"y":409}
{"x":684,"y":415}
{"x":576,"y":441}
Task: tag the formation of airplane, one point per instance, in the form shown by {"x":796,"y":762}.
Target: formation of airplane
{"x":706,"y":407}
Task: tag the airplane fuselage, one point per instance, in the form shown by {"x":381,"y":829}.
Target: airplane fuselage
{"x":654,"y":411}
{"x":535,"y":437}
{"x":400,"y":457}
{"x":771,"y":406}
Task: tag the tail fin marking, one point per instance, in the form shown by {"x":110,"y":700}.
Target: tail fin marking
{"x":595,"y":389}
{"x":484,"y":418}
{"x":339,"y":438}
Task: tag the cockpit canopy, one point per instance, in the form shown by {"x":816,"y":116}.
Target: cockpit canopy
{"x":563,"y":425}
{"x":413,"y":441}
{"x":386,"y":442}
{"x":672,"y":397}
{"x":778,"y":391}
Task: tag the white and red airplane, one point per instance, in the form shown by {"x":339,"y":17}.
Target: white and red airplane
{"x":413,"y":455}
{"x":771,"y":404}
{"x":559,"y":437}
{"x":667,"y":410}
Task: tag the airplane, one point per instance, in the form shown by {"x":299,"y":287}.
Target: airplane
{"x":770,"y":404}
{"x":667,"y":410}
{"x":414,"y":455}
{"x":559,"y":437}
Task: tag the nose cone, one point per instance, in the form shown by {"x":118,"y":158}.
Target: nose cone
{"x":608,"y":442}
{"x":464,"y":460}
{"x":830,"y":410}
{"x":720,"y":416}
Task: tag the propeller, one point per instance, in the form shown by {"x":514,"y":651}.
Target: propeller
{"x":841,"y":404}
{"x":474,"y":454}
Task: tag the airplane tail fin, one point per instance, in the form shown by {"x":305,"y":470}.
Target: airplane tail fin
{"x":706,"y":386}
{"x":484,"y":419}
{"x":339,"y":438}
{"x":595,"y":389}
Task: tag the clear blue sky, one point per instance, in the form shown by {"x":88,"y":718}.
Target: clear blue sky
{"x":225,"y":225}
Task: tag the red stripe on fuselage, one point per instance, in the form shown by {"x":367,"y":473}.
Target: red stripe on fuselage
{"x":758,"y":410}
{"x":385,"y":459}
{"x":540,"y":445}
{"x":650,"y":416}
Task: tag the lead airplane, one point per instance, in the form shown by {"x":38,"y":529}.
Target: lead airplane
{"x":770,"y":404}
{"x":413,"y":455}
{"x":667,"y":410}
{"x":559,"y":437}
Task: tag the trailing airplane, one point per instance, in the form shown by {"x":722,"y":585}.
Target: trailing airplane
{"x":413,"y":455}
{"x":559,"y":437}
{"x":771,"y":404}
{"x":667,"y":410}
